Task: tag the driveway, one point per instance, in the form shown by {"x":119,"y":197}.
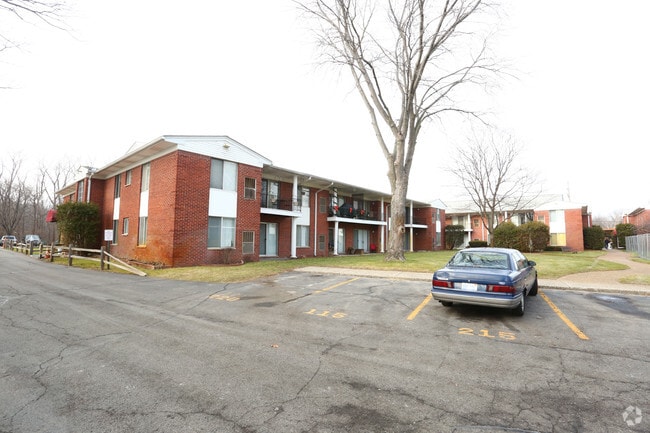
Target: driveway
{"x":309,"y":352}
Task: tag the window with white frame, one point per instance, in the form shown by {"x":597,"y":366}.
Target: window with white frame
{"x":125,"y":226}
{"x":221,"y":232}
{"x":117,"y":191}
{"x":146,"y":173}
{"x":302,"y":236}
{"x":223,"y":175}
{"x":80,"y":191}
{"x":142,"y":231}
{"x":127,"y":177}
{"x":304,"y":198}
{"x":116,"y":224}
{"x":250,"y":188}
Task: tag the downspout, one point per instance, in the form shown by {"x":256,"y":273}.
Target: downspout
{"x":316,"y":216}
{"x":90,"y":182}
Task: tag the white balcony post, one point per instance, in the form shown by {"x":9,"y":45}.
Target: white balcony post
{"x":382,"y":240}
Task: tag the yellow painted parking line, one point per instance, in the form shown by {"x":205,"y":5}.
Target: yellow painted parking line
{"x":564,"y":318}
{"x":420,"y":307}
{"x":336,"y":285}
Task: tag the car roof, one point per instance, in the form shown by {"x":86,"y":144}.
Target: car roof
{"x":490,"y":249}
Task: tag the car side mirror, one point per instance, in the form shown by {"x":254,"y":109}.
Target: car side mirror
{"x":531,"y":263}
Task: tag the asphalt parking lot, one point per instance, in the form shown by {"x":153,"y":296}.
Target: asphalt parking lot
{"x":311,"y":352}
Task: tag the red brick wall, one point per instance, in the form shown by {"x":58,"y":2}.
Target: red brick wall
{"x":248,"y":211}
{"x":179,"y":194}
{"x":192,"y":192}
{"x":423,"y":239}
{"x":574,"y":235}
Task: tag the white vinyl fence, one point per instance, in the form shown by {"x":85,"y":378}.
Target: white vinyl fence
{"x":639,"y":244}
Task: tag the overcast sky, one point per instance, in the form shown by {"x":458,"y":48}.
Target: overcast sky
{"x":131,"y":71}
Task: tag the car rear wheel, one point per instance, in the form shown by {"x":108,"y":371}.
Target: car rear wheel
{"x":521,"y":308}
{"x":446,"y":303}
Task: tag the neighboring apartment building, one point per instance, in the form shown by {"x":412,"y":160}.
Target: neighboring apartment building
{"x":566,"y":220}
{"x":640,"y":218}
{"x":194,"y":200}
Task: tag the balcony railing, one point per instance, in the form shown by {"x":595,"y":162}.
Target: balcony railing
{"x":281,"y":204}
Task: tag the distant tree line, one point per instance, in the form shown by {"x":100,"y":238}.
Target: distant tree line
{"x":25,"y":201}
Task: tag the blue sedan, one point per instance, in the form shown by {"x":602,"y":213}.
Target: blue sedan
{"x":491,"y":277}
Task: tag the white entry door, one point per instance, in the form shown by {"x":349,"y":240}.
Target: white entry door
{"x":361,"y":240}
{"x":268,"y":239}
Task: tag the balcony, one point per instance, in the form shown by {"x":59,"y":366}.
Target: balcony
{"x":276,"y":206}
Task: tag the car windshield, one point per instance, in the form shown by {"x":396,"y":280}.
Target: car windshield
{"x":480,"y":259}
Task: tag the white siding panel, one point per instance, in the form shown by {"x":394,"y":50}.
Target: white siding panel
{"x":144,"y":204}
{"x":116,"y":209}
{"x":220,"y":148}
{"x":304,"y":218}
{"x":222,"y":203}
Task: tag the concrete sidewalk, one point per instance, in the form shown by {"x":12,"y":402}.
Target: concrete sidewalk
{"x":600,"y":282}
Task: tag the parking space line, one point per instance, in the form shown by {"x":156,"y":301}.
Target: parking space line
{"x":564,"y":318}
{"x":335,"y":286}
{"x":420,"y":307}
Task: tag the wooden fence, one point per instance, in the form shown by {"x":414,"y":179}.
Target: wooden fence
{"x":105,"y":260}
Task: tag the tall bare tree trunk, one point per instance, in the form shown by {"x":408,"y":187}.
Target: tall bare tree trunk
{"x":395,"y":250}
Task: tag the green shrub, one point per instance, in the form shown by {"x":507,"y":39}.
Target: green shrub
{"x":506,"y":235}
{"x":623,"y":230}
{"x":533,"y":236}
{"x":477,"y":244}
{"x":594,"y":238}
{"x":79,"y":224}
{"x":454,"y":236}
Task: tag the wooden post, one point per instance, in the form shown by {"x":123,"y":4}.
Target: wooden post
{"x":101,"y":258}
{"x":70,"y":255}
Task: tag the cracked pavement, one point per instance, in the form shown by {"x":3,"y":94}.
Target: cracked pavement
{"x":94,"y":352}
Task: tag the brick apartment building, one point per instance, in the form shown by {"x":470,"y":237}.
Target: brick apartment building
{"x":566,"y":220}
{"x":640,"y":218}
{"x":195,"y":200}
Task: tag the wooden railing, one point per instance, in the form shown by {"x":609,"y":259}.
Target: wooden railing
{"x":105,"y":260}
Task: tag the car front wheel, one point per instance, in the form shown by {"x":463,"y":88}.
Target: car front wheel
{"x":446,"y":303}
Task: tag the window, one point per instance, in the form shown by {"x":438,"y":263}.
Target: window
{"x":146,"y":174}
{"x":270,"y":194}
{"x":142,"y":231}
{"x":127,"y":177}
{"x":321,"y":242}
{"x":250,"y":189}
{"x":116,"y":224}
{"x":248,"y":242}
{"x":540,"y":218}
{"x":118,"y":187}
{"x":304,"y":199}
{"x":125,"y":226}
{"x":322,"y":204}
{"x":475,"y":222}
{"x":80,"y":191}
{"x":302,"y":236}
{"x":223,"y":175}
{"x":221,"y":232}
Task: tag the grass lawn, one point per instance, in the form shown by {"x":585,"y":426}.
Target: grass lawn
{"x":550,"y":265}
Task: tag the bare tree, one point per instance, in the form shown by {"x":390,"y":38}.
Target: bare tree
{"x":50,"y":12}
{"x":408,"y":59}
{"x":53,"y":179}
{"x":15,"y":196}
{"x":489,"y":172}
